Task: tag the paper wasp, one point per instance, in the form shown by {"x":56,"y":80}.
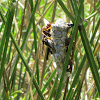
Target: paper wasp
{"x":45,"y":38}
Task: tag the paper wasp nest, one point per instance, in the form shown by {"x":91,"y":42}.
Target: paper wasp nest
{"x":58,"y":46}
{"x":59,"y":32}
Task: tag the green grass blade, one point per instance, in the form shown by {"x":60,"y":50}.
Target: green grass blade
{"x":50,"y":78}
{"x":2,"y":42}
{"x":76,"y":60}
{"x":48,"y":67}
{"x":96,"y":28}
{"x":35,"y":43}
{"x":79,"y":69}
{"x":14,"y":71}
{"x":68,"y":54}
{"x":90,"y":57}
{"x":34,"y":30}
{"x":80,"y":66}
{"x":26,"y":65}
{"x":6,"y":33}
{"x":76,"y":77}
{"x":74,"y":10}
{"x":3,"y":61}
{"x":23,"y":79}
{"x":31,"y":4}
{"x":1,"y":28}
{"x":29,"y":26}
{"x":2,"y":17}
{"x":76,"y":90}
{"x":82,"y":13}
{"x":19,"y":84}
{"x":65,"y":10}
{"x":96,"y":95}
{"x":44,"y":6}
{"x":35,"y":38}
{"x":53,"y":89}
{"x":45,"y":73}
{"x":97,"y":42}
{"x":23,"y":43}
{"x":10,"y":48}
{"x":37,"y":70}
{"x":74,"y":7}
{"x":9,"y":52}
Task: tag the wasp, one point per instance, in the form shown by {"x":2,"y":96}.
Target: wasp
{"x":46,"y":35}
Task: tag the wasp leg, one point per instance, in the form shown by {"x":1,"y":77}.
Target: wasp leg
{"x":48,"y":52}
{"x":48,"y":43}
{"x":50,"y":46}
